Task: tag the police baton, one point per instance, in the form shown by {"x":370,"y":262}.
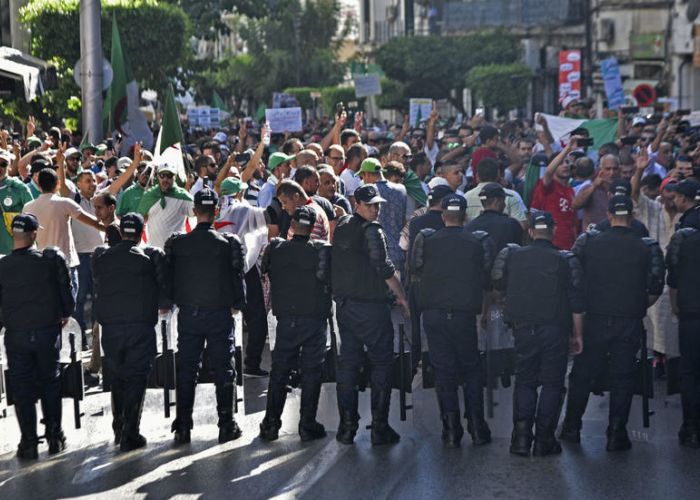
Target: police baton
{"x":406,"y":373}
{"x":76,"y":391}
{"x":167,"y":357}
{"x":645,"y":380}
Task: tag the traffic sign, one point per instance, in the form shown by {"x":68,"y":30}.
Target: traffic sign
{"x":644,"y":94}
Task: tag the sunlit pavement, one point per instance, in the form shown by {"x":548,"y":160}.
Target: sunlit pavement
{"x":417,"y":467}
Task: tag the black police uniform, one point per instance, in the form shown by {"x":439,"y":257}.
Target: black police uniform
{"x":450,"y":268}
{"x":502,"y":228}
{"x":35,"y":294}
{"x":360,"y":267}
{"x":207,"y":282}
{"x":542,"y":287}
{"x":621,"y":272}
{"x":130,"y":286}
{"x":637,"y":227}
{"x":682,"y":260}
{"x":689,"y":188}
{"x":299,"y":271}
{"x":690,"y":218}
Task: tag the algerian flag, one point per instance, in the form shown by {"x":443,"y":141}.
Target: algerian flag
{"x":601,"y":131}
{"x":218,"y":102}
{"x":248,"y":223}
{"x":121,"y":107}
{"x":169,"y":143}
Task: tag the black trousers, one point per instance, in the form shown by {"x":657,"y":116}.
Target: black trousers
{"x":34,"y":372}
{"x":605,"y":335}
{"x":454,"y":354}
{"x":689,"y":339}
{"x":541,"y":354}
{"x":364,"y":324}
{"x":255,"y":317}
{"x":197,"y":325}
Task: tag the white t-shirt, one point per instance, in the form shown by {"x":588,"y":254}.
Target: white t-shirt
{"x":87,"y":238}
{"x":163,"y":222}
{"x":351,"y":181}
{"x":54,"y":213}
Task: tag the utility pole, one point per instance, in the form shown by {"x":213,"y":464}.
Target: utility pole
{"x":409,"y":18}
{"x":91,"y":68}
{"x":587,"y":86}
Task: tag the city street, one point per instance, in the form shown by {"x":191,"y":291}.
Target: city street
{"x":417,"y":467}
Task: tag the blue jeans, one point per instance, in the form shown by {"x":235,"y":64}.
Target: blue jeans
{"x":84,"y":289}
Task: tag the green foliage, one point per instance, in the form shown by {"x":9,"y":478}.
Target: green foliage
{"x":501,"y":86}
{"x":393,"y":95}
{"x":433,"y":66}
{"x":330,"y":96}
{"x":303,"y":95}
{"x":205,"y":15}
{"x":154,"y":35}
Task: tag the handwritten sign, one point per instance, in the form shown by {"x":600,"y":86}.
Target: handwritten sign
{"x":613,"y":82}
{"x":420,"y":110}
{"x":367,"y":85}
{"x":284,"y":119}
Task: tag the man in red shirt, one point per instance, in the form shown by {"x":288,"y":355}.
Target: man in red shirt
{"x":554,"y":195}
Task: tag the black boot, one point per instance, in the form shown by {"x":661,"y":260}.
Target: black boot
{"x":309,"y":428}
{"x":276,"y":397}
{"x":182,"y":426}
{"x":349,"y":418}
{"x":545,"y":442}
{"x":570,"y":432}
{"x":26,"y":417}
{"x":521,"y":438}
{"x":617,"y":436}
{"x":476,"y":424}
{"x":452,"y":430}
{"x":689,"y":434}
{"x":228,"y":428}
{"x":117,"y":411}
{"x":382,"y":433}
{"x":131,"y":438}
{"x":546,"y":423}
{"x":55,"y":438}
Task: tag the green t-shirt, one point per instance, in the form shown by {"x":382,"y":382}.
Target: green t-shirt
{"x":14,"y":194}
{"x":130,"y":200}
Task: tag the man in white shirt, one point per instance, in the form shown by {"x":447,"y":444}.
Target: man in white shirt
{"x":165,"y":207}
{"x":279,"y":168}
{"x":489,"y":171}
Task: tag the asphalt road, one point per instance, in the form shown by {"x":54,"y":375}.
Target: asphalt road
{"x":417,"y":467}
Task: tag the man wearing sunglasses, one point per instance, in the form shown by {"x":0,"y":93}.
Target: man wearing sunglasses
{"x":165,"y":207}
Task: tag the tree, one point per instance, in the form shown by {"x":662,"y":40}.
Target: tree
{"x":154,"y":36}
{"x":434,"y":66}
{"x":205,"y":15}
{"x":501,"y":86}
{"x":393,"y":95}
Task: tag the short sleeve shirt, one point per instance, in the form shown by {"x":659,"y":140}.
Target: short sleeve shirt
{"x":54,"y":213}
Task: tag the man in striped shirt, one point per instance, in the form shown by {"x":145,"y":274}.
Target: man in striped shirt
{"x":293,"y":196}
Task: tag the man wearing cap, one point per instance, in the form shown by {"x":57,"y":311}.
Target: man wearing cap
{"x":299,"y":271}
{"x":14,"y":194}
{"x":73,"y":168}
{"x":207,"y":283}
{"x":684,"y":285}
{"x":392,"y":216}
{"x":688,"y":203}
{"x":542,"y":286}
{"x":279,"y":168}
{"x":36,"y":302}
{"x":554,"y":195}
{"x":38,"y":164}
{"x":449,"y":302}
{"x":131,"y":284}
{"x":499,"y":226}
{"x":130,"y":199}
{"x":623,"y":275}
{"x":363,"y":280}
{"x":622,"y":187}
{"x":165,"y":207}
{"x":489,"y":171}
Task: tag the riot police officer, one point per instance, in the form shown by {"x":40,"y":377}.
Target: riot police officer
{"x":684,"y":284}
{"x":36,"y":301}
{"x":623,"y":276}
{"x":130,"y":286}
{"x":687,"y":201}
{"x":207,"y":280}
{"x":362,"y":277}
{"x":543,"y":299}
{"x":299,"y":271}
{"x":451,"y":268}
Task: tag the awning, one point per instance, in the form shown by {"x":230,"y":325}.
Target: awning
{"x":34,"y":75}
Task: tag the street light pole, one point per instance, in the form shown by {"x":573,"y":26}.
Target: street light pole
{"x":91,"y":68}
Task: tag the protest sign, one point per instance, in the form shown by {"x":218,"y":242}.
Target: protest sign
{"x":367,"y":85}
{"x":284,"y":119}
{"x":419,"y":110}
{"x":613,"y":82}
{"x":569,"y":75}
